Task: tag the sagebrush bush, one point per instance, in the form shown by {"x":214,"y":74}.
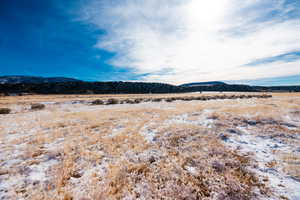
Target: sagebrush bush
{"x":138,"y":100}
{"x":97,"y":102}
{"x":4,"y":111}
{"x":157,"y":100}
{"x":37,"y":106}
{"x":112,"y":101}
{"x":128,"y":101}
{"x":169,"y":100}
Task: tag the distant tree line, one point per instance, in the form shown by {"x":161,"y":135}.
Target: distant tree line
{"x":129,"y":88}
{"x":90,"y":88}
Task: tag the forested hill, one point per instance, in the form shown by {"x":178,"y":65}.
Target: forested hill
{"x":74,"y":86}
{"x":90,"y":88}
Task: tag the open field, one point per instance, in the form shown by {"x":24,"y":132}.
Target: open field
{"x":223,"y":149}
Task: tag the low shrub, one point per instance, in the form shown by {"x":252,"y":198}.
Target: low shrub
{"x":129,"y":101}
{"x":112,"y":101}
{"x":37,"y":106}
{"x":188,"y":99}
{"x":122,"y":102}
{"x":157,"y":100}
{"x":97,"y":102}
{"x":138,"y":100}
{"x":169,"y":100}
{"x":4,"y":111}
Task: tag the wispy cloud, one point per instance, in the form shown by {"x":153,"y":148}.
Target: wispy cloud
{"x":287,"y":57}
{"x":194,"y":40}
{"x":285,"y":80}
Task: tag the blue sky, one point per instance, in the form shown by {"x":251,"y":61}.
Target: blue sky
{"x":43,"y":38}
{"x":174,"y":41}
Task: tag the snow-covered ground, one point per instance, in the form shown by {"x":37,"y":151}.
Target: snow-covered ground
{"x":254,"y":139}
{"x":265,"y":150}
{"x":76,"y":150}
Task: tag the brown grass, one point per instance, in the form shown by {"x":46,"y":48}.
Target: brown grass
{"x":102,"y":153}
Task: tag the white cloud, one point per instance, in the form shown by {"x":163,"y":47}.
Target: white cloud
{"x":197,"y":40}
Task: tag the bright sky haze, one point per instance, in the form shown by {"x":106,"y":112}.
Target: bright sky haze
{"x":173,"y":41}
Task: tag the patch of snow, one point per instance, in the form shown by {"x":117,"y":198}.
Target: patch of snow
{"x":57,"y":144}
{"x":148,"y":132}
{"x":263,"y":148}
{"x":116,"y":130}
{"x":192,"y":170}
{"x":49,"y":103}
{"x":292,"y":120}
{"x":38,"y":172}
{"x":202,"y":119}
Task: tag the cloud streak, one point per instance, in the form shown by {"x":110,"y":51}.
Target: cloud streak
{"x":288,"y":57}
{"x":194,"y":40}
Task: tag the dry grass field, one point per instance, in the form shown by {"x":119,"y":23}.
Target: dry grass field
{"x":223,"y":149}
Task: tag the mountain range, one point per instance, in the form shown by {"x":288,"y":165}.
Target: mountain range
{"x":211,"y":83}
{"x":61,"y":85}
{"x":35,"y":79}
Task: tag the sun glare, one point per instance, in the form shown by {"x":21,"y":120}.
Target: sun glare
{"x":206,"y":14}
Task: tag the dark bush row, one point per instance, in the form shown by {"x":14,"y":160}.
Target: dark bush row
{"x":89,"y":88}
{"x":171,"y":99}
{"x":127,"y":88}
